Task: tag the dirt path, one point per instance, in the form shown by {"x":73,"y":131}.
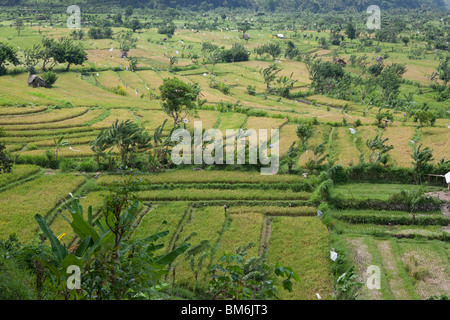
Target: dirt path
{"x":266,"y":230}
{"x":444,"y":196}
{"x":390,"y":265}
{"x":362,"y":259}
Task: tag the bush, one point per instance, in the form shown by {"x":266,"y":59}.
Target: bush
{"x":119,"y":90}
{"x":50,"y":78}
{"x":337,"y":174}
{"x":237,"y":53}
{"x":88,"y":166}
{"x":66,"y":164}
{"x":15,"y":283}
{"x":251,"y":90}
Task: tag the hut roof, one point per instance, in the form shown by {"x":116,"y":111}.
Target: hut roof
{"x":31,"y":78}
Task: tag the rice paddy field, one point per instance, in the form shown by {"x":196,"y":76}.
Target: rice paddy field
{"x":226,"y":208}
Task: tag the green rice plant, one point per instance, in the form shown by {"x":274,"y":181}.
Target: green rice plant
{"x":18,"y":172}
{"x":214,"y":194}
{"x":303,"y":244}
{"x":39,"y":196}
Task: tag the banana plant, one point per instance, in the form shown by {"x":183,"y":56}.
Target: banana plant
{"x":91,"y":241}
{"x":59,"y":143}
{"x":95,"y":238}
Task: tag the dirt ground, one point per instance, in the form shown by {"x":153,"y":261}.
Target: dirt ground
{"x":444,"y":196}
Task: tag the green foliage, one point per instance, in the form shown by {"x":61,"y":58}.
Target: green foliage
{"x":178,"y":99}
{"x":110,"y":267}
{"x":134,"y":25}
{"x":50,"y":78}
{"x":346,"y":286}
{"x":237,"y":53}
{"x":421,"y":161}
{"x":167,"y":30}
{"x":269,"y":74}
{"x":100,"y":33}
{"x":378,"y":149}
{"x":126,"y":136}
{"x":235,"y":278}
{"x":7,"y":54}
{"x":5,"y":162}
{"x":304,"y":132}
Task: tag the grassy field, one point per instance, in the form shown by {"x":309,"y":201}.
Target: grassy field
{"x":39,"y":196}
{"x":276,"y":213}
{"x":375,"y":191}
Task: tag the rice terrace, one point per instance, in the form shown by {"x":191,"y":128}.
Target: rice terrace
{"x":224,"y":150}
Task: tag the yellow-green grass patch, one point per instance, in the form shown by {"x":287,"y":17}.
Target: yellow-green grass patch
{"x":18,"y":172}
{"x":45,"y":117}
{"x":190,"y":176}
{"x":399,"y":137}
{"x":20,"y":204}
{"x":60,"y":226}
{"x":207,"y":223}
{"x":7,"y":111}
{"x":68,"y":123}
{"x":152,"y":222}
{"x":192,"y":194}
{"x":303,"y":244}
{"x":275,"y":211}
{"x":344,"y":147}
{"x":437,"y":139}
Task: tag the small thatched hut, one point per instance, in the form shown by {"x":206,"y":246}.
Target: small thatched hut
{"x":34,"y":81}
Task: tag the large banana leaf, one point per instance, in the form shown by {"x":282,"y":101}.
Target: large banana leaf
{"x":81,"y":227}
{"x":59,"y":251}
{"x":171,"y":256}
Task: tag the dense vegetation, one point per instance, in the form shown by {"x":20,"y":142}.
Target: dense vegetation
{"x":87,"y":178}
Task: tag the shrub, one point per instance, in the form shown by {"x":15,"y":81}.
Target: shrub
{"x":251,"y":90}
{"x":88,"y":166}
{"x":119,"y":90}
{"x":337,"y":174}
{"x":50,"y":78}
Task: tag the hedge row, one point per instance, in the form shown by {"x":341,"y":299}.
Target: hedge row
{"x":393,"y":204}
{"x":396,"y":219}
{"x":296,"y":187}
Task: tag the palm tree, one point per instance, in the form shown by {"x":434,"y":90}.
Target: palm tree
{"x":58,"y":144}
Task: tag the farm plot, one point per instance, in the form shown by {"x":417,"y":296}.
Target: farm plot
{"x":377,"y":191}
{"x":61,"y":227}
{"x":399,"y":137}
{"x":18,"y":173}
{"x":39,"y":196}
{"x":44,"y":117}
{"x":189,"y":176}
{"x":438,"y":140}
{"x":192,"y":194}
{"x":344,"y":147}
{"x":410,"y":269}
{"x":172,"y":213}
{"x":303,"y":244}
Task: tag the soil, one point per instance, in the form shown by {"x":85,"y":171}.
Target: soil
{"x":444,"y":196}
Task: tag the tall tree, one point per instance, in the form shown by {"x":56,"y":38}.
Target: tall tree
{"x":350,"y":31}
{"x":178,"y":99}
{"x":7,"y":54}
